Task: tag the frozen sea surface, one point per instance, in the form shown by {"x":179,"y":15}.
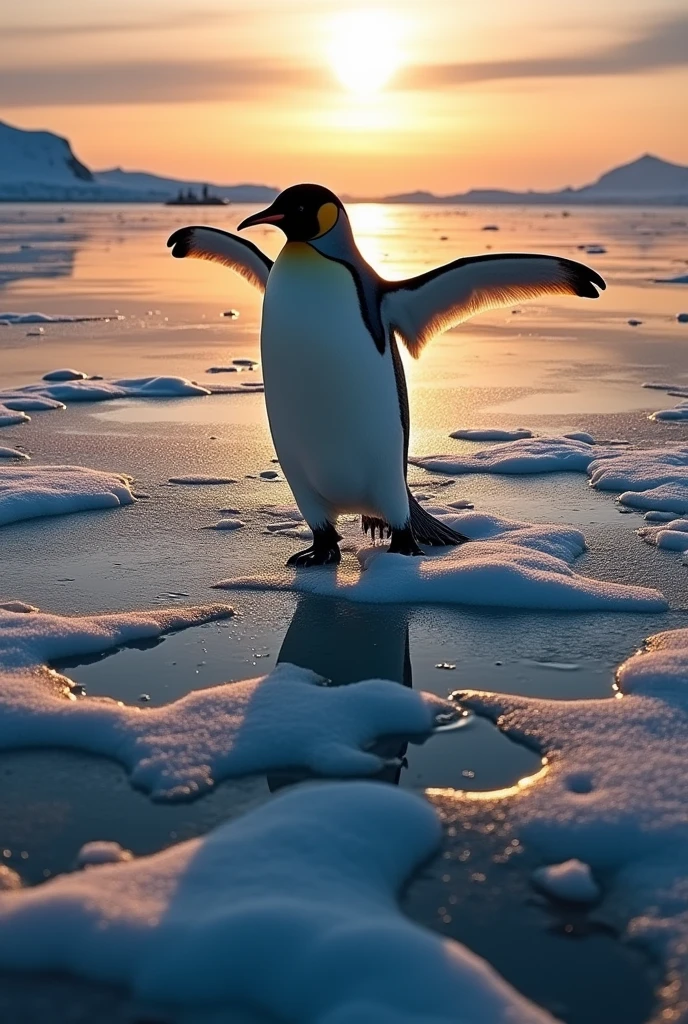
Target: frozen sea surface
{"x":561,"y":368}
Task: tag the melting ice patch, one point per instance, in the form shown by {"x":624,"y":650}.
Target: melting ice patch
{"x":288,"y":911}
{"x":670,"y":536}
{"x":284,"y":720}
{"x":12,"y":453}
{"x":613,"y":795}
{"x":34,"y":491}
{"x":181,"y":750}
{"x":508,"y":564}
{"x":8,"y":418}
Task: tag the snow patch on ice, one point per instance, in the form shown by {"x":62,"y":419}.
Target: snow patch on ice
{"x":508,"y":564}
{"x":490,"y":434}
{"x":289,"y":911}
{"x":181,"y":750}
{"x":12,"y":453}
{"x":11,"y":419}
{"x":65,"y":375}
{"x":655,"y":479}
{"x":628,"y":818}
{"x":29,"y":638}
{"x":101,"y":851}
{"x":43,"y":318}
{"x":671,"y":536}
{"x":228,"y":524}
{"x":526,"y":455}
{"x":197,"y":480}
{"x":36,"y":491}
{"x":571,"y":881}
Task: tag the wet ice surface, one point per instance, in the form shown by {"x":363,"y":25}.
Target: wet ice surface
{"x":563,"y":368}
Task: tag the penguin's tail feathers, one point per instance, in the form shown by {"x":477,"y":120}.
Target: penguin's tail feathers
{"x":428,"y":530}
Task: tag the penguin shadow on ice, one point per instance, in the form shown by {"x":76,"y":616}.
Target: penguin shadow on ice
{"x":344,"y":643}
{"x":335,"y":387}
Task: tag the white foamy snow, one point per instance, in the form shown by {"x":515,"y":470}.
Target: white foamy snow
{"x":508,"y":564}
{"x":571,"y":881}
{"x":288,"y":911}
{"x":34,"y":491}
{"x":612,"y":795}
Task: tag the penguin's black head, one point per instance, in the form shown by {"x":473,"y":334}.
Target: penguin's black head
{"x":303,"y":212}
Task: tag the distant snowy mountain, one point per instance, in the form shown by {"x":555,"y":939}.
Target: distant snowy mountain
{"x":648,"y":180}
{"x":157,"y":187}
{"x":647,"y":176}
{"x":38,"y":166}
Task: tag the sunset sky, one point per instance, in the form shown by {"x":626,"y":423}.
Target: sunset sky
{"x":368,"y":98}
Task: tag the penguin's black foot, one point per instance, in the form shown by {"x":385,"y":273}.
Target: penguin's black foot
{"x":373,"y":525}
{"x":404,"y":543}
{"x":315,"y":556}
{"x":323,"y":551}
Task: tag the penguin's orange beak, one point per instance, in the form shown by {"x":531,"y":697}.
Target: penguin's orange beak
{"x":264,"y":217}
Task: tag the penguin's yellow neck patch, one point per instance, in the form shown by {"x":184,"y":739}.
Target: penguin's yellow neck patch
{"x":328,"y":214}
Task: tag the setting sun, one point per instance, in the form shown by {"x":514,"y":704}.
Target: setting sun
{"x":365,"y":49}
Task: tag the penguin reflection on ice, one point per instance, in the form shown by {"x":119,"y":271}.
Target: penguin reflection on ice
{"x":334,"y":382}
{"x":344,"y":643}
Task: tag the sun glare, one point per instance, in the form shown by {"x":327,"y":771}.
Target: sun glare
{"x":365,"y":49}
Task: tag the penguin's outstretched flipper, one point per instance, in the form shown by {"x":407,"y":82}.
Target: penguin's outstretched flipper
{"x":419,"y":308}
{"x":428,"y":530}
{"x":240,"y":255}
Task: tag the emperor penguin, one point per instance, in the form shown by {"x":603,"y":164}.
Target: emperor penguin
{"x":335,"y":388}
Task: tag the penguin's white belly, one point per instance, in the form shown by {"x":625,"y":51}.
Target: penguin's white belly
{"x":331,"y":396}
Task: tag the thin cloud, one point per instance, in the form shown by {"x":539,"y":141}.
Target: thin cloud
{"x":183,"y":19}
{"x":139,"y":83}
{"x":662,"y":46}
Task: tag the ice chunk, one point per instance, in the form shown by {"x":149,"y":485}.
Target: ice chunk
{"x":509,"y":564}
{"x":101,"y":851}
{"x":160,"y":387}
{"x":12,"y":453}
{"x":658,"y":517}
{"x":571,"y":881}
{"x":288,"y":911}
{"x":492,"y":434}
{"x":65,"y":375}
{"x":35,"y":491}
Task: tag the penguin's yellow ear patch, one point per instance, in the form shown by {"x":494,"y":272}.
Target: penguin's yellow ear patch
{"x":327,"y":218}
